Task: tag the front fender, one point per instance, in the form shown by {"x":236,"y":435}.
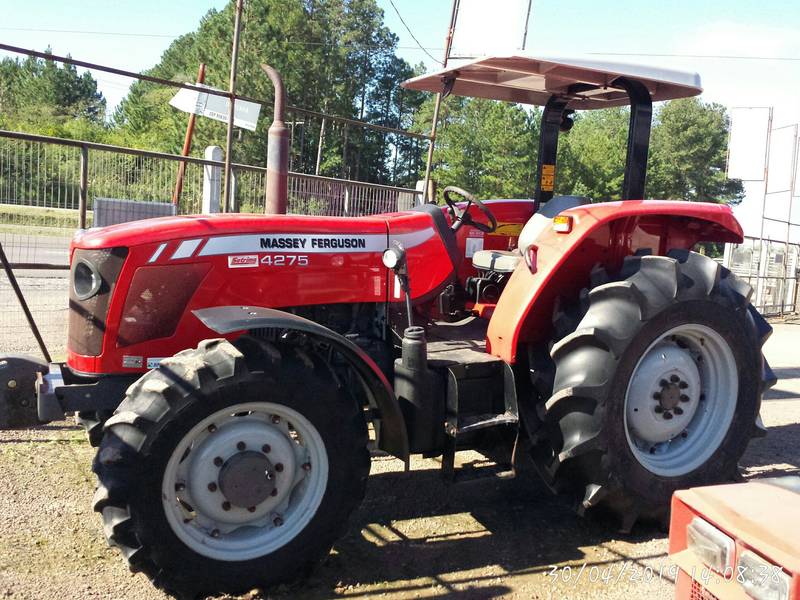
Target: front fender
{"x":601,"y":234}
{"x":392,"y":435}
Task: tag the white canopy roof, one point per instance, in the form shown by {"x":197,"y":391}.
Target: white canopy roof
{"x":531,"y":80}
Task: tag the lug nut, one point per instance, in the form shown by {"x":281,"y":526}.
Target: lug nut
{"x":307,"y":466}
{"x":678,"y":410}
{"x":266,"y":448}
{"x":702,"y":397}
{"x":218,"y":461}
{"x":12,"y":383}
{"x":215,"y":533}
{"x":674,"y":378}
{"x":279,"y":467}
{"x":657,"y":396}
{"x":241,"y":446}
{"x":663,"y":383}
{"x":179,"y":487}
{"x":277,"y":521}
{"x":274,"y":492}
{"x":667,"y":415}
{"x":226,"y":505}
{"x":212,"y":428}
{"x":684,"y":398}
{"x":684,"y":435}
{"x":251,"y":508}
{"x":683,"y":385}
{"x":276,"y":419}
{"x":652,"y":449}
{"x":212,"y":487}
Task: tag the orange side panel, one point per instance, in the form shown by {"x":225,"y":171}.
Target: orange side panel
{"x":602,"y":233}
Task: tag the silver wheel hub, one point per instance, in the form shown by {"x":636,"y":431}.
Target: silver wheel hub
{"x":681,"y":400}
{"x":663,"y":394}
{"x":242,"y":491}
{"x":245,"y":481}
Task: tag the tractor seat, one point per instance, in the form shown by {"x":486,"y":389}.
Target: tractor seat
{"x":500,"y":261}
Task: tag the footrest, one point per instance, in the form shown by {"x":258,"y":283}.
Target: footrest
{"x":476,"y":422}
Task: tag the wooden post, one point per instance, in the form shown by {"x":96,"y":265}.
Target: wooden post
{"x":187,"y":143}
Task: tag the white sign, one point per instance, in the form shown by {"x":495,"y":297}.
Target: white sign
{"x":245,"y":114}
{"x":747,"y":145}
{"x":496,"y":27}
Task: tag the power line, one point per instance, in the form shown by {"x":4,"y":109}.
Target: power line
{"x":421,"y":47}
{"x":170,"y":36}
{"x":703,"y":56}
{"x":81,"y":32}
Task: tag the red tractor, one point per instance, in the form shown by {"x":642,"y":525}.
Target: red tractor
{"x":236,"y":370}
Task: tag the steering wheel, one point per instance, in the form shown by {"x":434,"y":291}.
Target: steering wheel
{"x":461,"y":217}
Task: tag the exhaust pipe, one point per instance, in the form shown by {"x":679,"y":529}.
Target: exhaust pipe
{"x":277,"y":188}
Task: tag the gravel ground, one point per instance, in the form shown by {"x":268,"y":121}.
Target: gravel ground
{"x":412,"y":537}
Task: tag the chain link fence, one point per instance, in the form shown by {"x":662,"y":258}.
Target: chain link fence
{"x":49,"y":187}
{"x":772,"y":269}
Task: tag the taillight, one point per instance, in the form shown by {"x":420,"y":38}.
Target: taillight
{"x":710,"y":545}
{"x":761,"y":579}
{"x":157,"y":298}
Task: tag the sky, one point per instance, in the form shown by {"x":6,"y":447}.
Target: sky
{"x":132,"y":34}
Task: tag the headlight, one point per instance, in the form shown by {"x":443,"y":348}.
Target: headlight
{"x":712,"y":546}
{"x":86,"y":280}
{"x":393,"y":256}
{"x":761,"y":579}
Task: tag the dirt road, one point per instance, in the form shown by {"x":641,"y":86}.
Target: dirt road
{"x":413,"y":537}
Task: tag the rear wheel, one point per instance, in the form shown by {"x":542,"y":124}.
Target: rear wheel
{"x":656,"y":387}
{"x":226,"y":470}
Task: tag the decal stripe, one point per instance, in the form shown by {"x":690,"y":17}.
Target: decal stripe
{"x":300,"y":243}
{"x":186,"y":249}
{"x":157,"y":253}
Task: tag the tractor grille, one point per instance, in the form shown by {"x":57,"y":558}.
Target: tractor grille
{"x":87,"y":318}
{"x":700,"y":593}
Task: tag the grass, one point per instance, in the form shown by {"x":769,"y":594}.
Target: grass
{"x":39,"y":221}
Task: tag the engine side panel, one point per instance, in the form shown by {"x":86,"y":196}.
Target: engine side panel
{"x":602,"y":233}
{"x":242,"y":260}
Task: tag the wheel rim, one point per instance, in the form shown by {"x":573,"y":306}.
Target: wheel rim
{"x":245,"y":481}
{"x":681,"y":400}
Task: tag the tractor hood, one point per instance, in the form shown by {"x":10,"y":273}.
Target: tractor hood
{"x":168,"y":229}
{"x":135,"y":285}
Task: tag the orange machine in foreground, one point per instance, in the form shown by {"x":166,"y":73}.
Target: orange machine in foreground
{"x":737,"y":541}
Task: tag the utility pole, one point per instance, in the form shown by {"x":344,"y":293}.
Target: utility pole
{"x":432,"y":143}
{"x":237,"y":28}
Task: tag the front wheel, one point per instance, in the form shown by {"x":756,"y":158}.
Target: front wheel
{"x":229,"y":468}
{"x":657,"y":386}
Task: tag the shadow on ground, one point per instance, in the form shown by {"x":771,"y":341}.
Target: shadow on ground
{"x":416,"y":532}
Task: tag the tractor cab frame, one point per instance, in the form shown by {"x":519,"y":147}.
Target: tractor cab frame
{"x":563,"y":86}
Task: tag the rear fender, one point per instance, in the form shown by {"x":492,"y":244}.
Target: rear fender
{"x":391,"y":428}
{"x":601,"y":234}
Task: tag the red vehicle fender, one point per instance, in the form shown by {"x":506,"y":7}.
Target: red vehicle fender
{"x":601,"y":233}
